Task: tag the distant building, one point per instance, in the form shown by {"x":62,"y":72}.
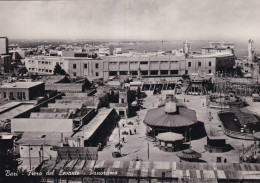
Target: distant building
{"x":74,"y":54}
{"x":44,"y":65}
{"x":138,"y":65}
{"x":219,"y":47}
{"x":5,"y":64}
{"x":21,"y":90}
{"x":3,"y":45}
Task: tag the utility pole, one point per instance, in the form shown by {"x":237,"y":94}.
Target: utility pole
{"x":148,"y":153}
{"x":30,"y":156}
{"x":42,"y":152}
{"x":119,"y":138}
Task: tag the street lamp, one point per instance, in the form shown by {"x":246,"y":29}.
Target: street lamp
{"x":210,"y":119}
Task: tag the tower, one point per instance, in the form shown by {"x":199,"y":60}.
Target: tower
{"x":186,"y":47}
{"x":251,"y":51}
{"x":3,"y":45}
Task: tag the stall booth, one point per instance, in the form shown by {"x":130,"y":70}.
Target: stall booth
{"x":170,"y":141}
{"x":216,"y":144}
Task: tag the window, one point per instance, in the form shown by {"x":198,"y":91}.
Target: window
{"x":133,"y":62}
{"x":143,"y":63}
{"x":186,"y":72}
{"x":189,"y":64}
{"x":122,"y":72}
{"x":164,"y":72}
{"x":174,"y":71}
{"x":209,"y":71}
{"x":199,"y":64}
{"x":122,"y":62}
{"x":96,"y":66}
{"x":31,"y":148}
{"x":23,"y":95}
{"x":85,"y":66}
{"x":144,"y":73}
{"x":74,"y":74}
{"x":112,"y":73}
{"x":154,"y":72}
{"x":74,"y":66}
{"x":4,"y":94}
{"x":11,"y":95}
{"x":209,"y":63}
{"x":97,"y":74}
{"x":21,"y":147}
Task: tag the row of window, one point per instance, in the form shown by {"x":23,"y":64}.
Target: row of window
{"x":45,"y":70}
{"x":144,"y":62}
{"x":199,"y":64}
{"x":31,"y":148}
{"x":85,"y":66}
{"x":20,"y":95}
{"x":75,"y":74}
{"x":153,"y":72}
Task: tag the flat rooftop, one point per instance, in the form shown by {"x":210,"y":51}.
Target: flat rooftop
{"x":49,"y":115}
{"x":41,"y":138}
{"x":214,"y":55}
{"x":20,"y":85}
{"x":55,"y":58}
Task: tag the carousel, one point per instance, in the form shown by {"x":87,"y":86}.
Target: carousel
{"x":170,"y":118}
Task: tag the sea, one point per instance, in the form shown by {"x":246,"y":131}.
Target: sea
{"x":240,"y":47}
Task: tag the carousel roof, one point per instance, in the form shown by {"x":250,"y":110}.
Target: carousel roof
{"x":169,"y":136}
{"x":189,"y":154}
{"x":158,"y":117}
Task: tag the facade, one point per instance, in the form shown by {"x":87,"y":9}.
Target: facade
{"x":3,"y":45}
{"x":44,"y":65}
{"x":22,"y":90}
{"x":136,"y":65}
{"x":74,"y":66}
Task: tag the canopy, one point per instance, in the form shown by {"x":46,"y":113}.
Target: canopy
{"x":169,"y":136}
{"x":189,"y":154}
{"x":158,"y":117}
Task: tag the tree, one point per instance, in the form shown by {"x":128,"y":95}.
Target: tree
{"x":22,"y":71}
{"x":58,"y":70}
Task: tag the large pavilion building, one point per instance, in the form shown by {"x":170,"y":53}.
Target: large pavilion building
{"x":170,"y":118}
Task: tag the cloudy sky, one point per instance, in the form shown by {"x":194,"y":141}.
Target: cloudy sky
{"x":131,"y":19}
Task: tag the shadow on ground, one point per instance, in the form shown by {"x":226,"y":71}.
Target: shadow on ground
{"x":198,"y":131}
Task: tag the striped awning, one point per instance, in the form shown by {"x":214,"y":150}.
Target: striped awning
{"x":158,"y":169}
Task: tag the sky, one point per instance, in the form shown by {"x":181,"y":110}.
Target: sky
{"x":131,"y":19}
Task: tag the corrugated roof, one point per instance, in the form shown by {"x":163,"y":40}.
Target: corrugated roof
{"x":195,"y":172}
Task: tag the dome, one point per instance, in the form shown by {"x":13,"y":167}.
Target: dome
{"x":170,"y":107}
